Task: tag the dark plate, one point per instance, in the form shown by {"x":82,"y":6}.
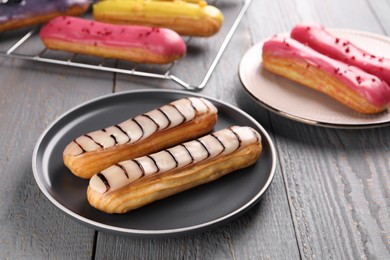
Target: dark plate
{"x":193,"y":210}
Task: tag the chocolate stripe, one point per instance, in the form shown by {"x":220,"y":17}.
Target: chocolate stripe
{"x":220,"y":142}
{"x":123,"y":131}
{"x":79,"y":145}
{"x":192,"y":104}
{"x":205,"y":103}
{"x":237,"y":136}
{"x":104,"y":180}
{"x":140,"y":166}
{"x":189,"y":153}
{"x":114,"y":138}
{"x":173,"y":157}
{"x":208,"y":152}
{"x":184,"y":118}
{"x":166,"y":116}
{"x":151,"y":119}
{"x":140,"y":126}
{"x":101,"y":146}
{"x":123,"y":169}
{"x":155,"y":163}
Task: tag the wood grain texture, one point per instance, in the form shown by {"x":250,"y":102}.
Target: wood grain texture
{"x":381,"y":10}
{"x":33,"y":95}
{"x":330,"y":195}
{"x":264,"y":232}
{"x":337,"y":181}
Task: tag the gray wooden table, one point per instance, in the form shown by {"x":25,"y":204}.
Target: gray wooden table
{"x":330,"y":198}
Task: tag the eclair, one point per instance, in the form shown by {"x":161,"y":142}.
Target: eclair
{"x":174,"y":123}
{"x":322,"y":41}
{"x":20,"y":13}
{"x":134,"y":183}
{"x":350,"y":85}
{"x":132,"y":43}
{"x":185,"y":18}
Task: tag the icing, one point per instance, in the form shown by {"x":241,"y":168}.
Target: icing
{"x":375,"y":90}
{"x":185,"y":18}
{"x":223,"y":142}
{"x":71,"y":29}
{"x":161,"y":41}
{"x":315,"y":36}
{"x":28,"y":8}
{"x":157,"y":8}
{"x":142,"y":126}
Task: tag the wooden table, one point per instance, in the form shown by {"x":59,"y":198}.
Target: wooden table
{"x":329,"y":199}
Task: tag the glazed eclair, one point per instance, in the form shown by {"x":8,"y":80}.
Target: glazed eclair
{"x":174,"y":123}
{"x":134,"y":183}
{"x":318,"y":38}
{"x":139,"y":44}
{"x":185,"y":18}
{"x":350,"y":85}
{"x":17,"y":13}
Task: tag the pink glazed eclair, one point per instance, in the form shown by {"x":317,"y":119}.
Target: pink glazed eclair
{"x":319,"y":39}
{"x":126,"y":42}
{"x":351,"y":86}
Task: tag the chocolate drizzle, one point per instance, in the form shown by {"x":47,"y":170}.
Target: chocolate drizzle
{"x":184,"y":118}
{"x":208,"y":108}
{"x":151,"y":119}
{"x":173,"y":157}
{"x":123,"y":131}
{"x":140,"y":167}
{"x":182,"y":108}
{"x":154,"y":162}
{"x":123,"y":169}
{"x":192,"y":104}
{"x":189,"y":153}
{"x":205,"y":148}
{"x":82,"y":149}
{"x":114,"y":138}
{"x":90,"y":137}
{"x":220,"y":142}
{"x":166,"y":116}
{"x":237,"y":136}
{"x":227,"y":139}
{"x":140,"y":127}
{"x":104,"y":180}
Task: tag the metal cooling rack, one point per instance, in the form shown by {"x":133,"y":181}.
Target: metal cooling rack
{"x":11,"y":53}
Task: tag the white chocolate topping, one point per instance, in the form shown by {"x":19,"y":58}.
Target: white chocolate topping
{"x":141,"y":127}
{"x":223,"y":142}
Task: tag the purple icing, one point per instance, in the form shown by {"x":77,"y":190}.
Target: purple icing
{"x":22,"y":9}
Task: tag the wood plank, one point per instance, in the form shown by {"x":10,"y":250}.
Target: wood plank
{"x":337,"y":180}
{"x":257,"y":234}
{"x":32,"y":96}
{"x":381,"y":10}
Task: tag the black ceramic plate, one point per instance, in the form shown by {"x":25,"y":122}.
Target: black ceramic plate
{"x":193,"y":210}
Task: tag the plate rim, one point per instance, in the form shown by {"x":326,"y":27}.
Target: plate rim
{"x":140,"y":232}
{"x":304,"y":120}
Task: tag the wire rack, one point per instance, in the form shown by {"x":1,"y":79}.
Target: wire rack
{"x":11,"y":52}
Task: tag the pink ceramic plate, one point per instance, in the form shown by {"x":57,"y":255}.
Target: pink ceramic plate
{"x":302,"y":104}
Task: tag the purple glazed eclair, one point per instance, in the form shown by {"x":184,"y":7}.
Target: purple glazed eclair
{"x":20,"y":13}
